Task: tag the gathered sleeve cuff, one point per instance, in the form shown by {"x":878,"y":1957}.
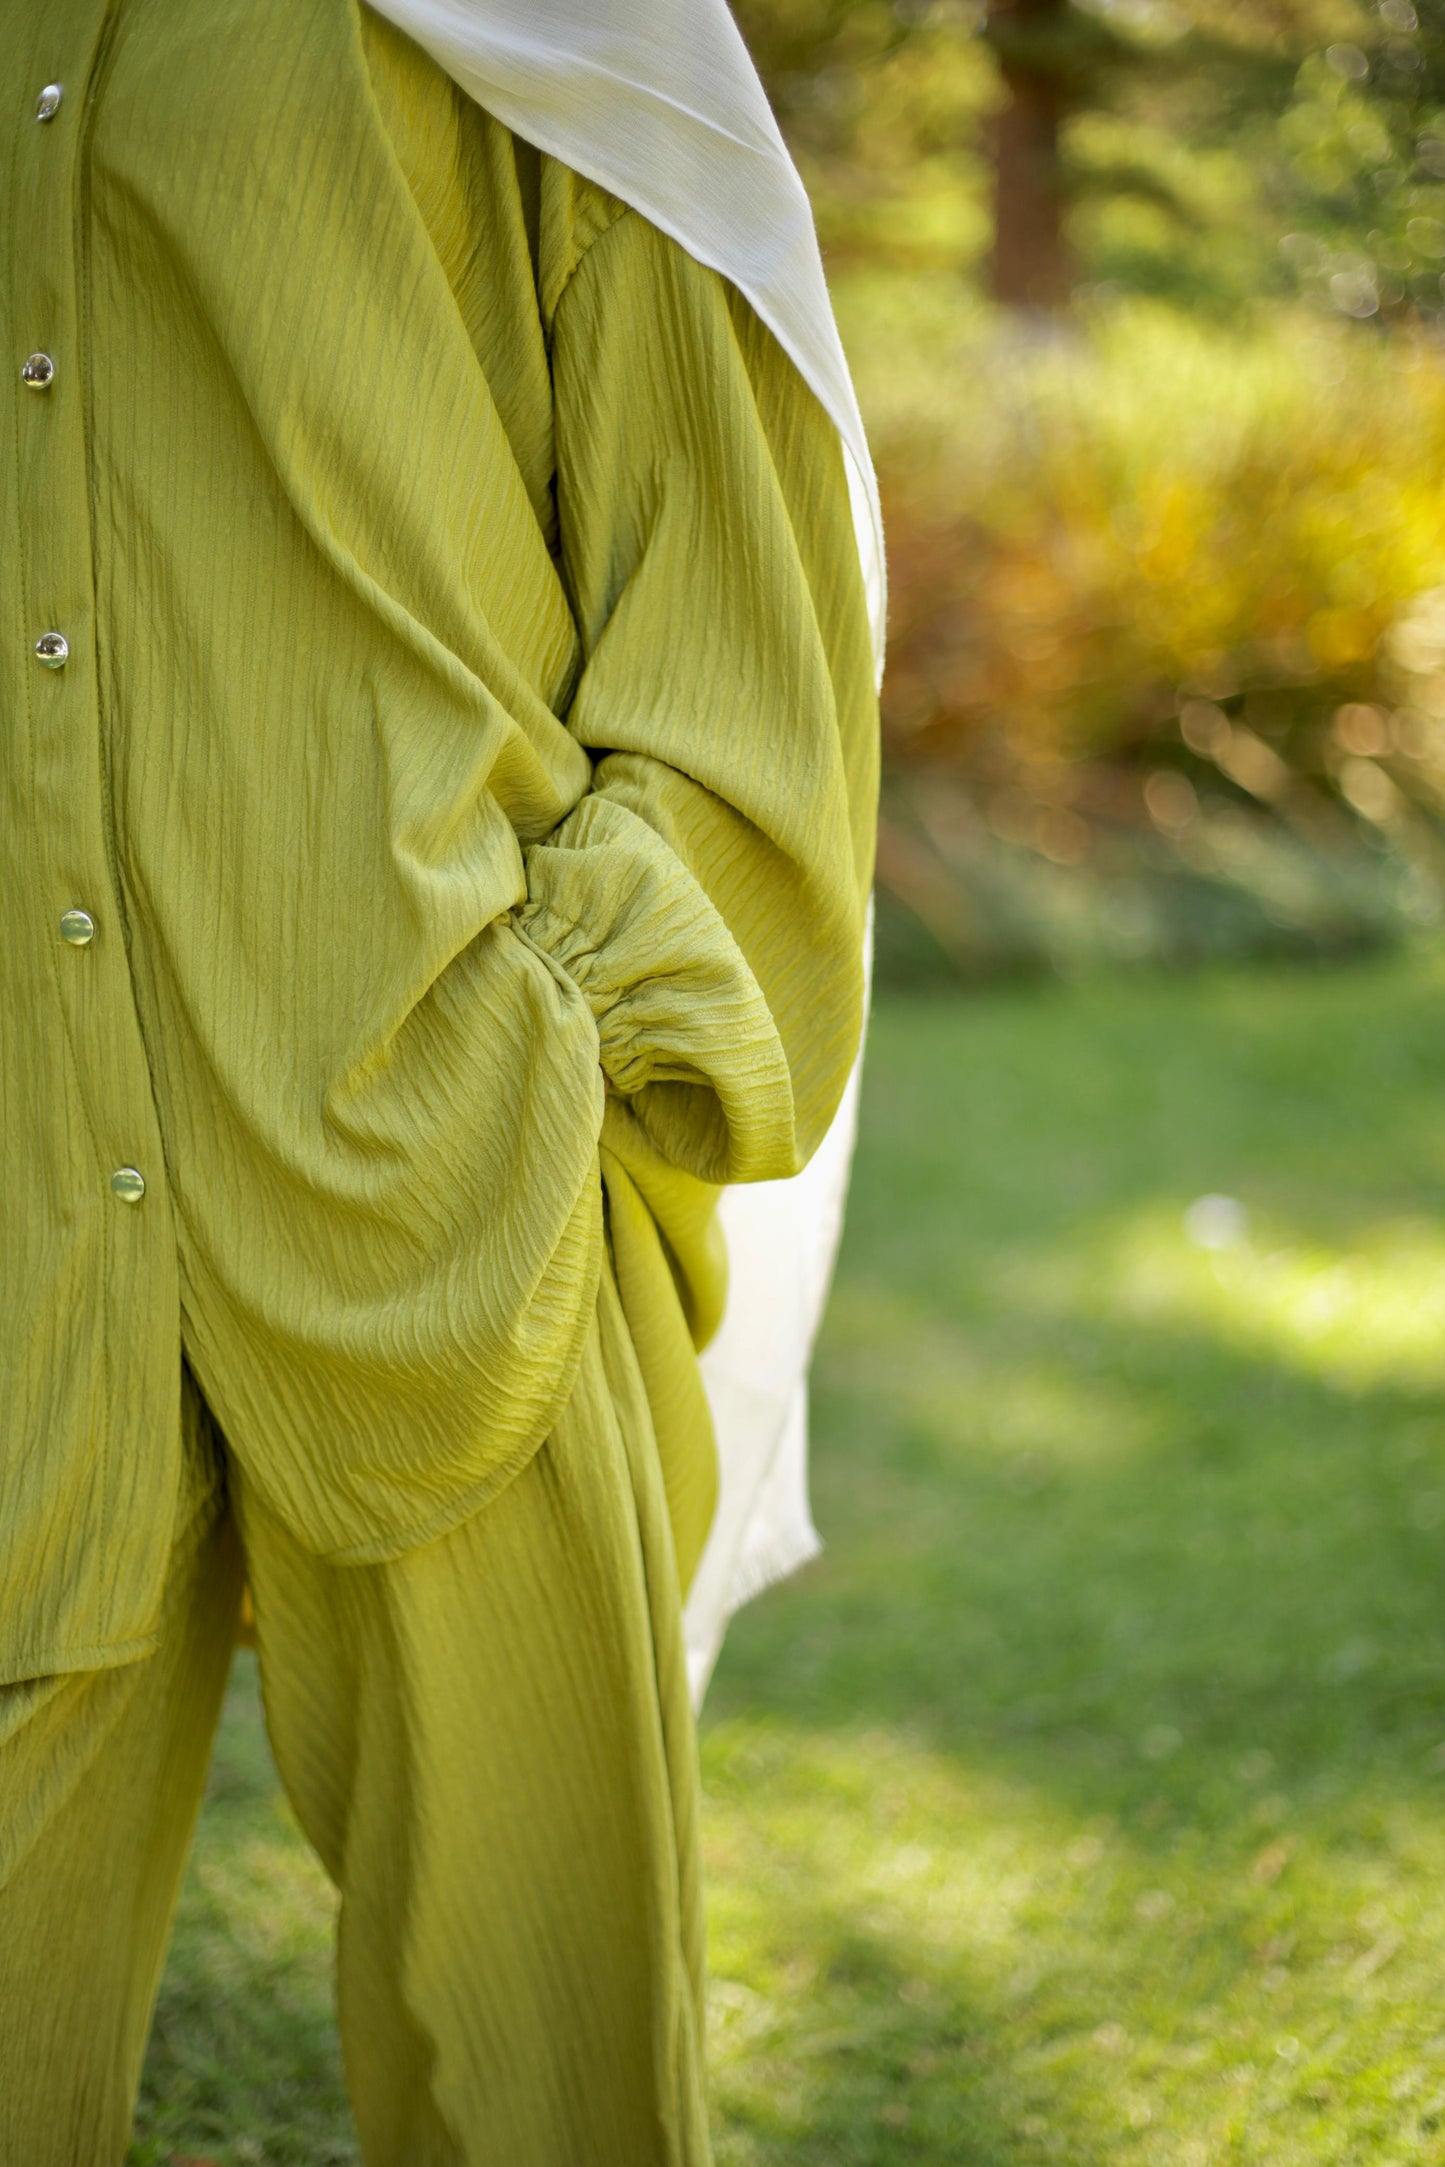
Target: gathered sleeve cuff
{"x":683,"y":1026}
{"x":707,"y":894}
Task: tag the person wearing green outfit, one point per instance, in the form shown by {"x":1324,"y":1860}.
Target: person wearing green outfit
{"x":437,"y":796}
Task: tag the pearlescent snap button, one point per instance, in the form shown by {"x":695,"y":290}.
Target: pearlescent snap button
{"x":38,"y":372}
{"x":128,"y":1183}
{"x":77,"y":927}
{"x":52,"y":650}
{"x":47,"y":105}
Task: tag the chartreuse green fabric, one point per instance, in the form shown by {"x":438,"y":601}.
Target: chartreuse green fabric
{"x":489,"y":1743}
{"x":468,"y":684}
{"x":435,"y":660}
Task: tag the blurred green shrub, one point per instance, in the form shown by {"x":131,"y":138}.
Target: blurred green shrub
{"x":1164,"y":620}
{"x":1167,"y":663}
{"x":885,"y":108}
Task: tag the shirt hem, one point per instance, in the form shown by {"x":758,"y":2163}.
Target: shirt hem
{"x":59,"y":1661}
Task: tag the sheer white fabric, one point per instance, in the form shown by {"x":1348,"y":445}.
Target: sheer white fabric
{"x":658,"y":102}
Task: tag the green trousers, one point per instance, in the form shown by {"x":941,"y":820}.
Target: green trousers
{"x":490,"y":1745}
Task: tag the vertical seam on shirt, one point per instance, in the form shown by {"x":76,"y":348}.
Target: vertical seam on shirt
{"x":80,"y":216}
{"x":101,"y":650}
{"x":83,"y":370}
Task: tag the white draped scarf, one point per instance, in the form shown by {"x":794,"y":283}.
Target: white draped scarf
{"x":658,"y":102}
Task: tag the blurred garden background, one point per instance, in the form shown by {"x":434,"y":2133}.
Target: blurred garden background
{"x":1085,"y":1801}
{"x":1145,"y":303}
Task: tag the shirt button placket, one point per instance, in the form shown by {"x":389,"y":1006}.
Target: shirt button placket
{"x":89,"y":1356}
{"x":52,"y":652}
{"x":52,"y":649}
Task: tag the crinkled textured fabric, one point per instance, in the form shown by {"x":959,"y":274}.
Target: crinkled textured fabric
{"x":490,"y":1744}
{"x":659,"y":102}
{"x":469,"y":679}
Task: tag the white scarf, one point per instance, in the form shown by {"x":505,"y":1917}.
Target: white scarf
{"x":658,"y":102}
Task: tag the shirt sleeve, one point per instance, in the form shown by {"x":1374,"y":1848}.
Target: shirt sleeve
{"x":707,"y":893}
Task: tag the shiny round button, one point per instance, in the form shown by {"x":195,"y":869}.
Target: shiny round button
{"x":52,"y":650}
{"x":47,"y":105}
{"x":128,"y":1183}
{"x":77,"y":927}
{"x":38,"y":373}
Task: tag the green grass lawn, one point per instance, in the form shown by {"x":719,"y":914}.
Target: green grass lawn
{"x":1085,"y":1801}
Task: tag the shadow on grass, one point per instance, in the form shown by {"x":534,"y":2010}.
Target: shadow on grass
{"x":1146,"y":1585}
{"x":886,"y":2062}
{"x":1059,"y":1519}
{"x":1257,"y":1572}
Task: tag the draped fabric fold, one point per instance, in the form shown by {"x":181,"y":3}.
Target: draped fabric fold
{"x":658,"y":102}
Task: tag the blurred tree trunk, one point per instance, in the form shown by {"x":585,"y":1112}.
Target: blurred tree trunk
{"x":1031,"y":268}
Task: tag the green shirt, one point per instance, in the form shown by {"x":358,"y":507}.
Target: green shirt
{"x":468,"y":681}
